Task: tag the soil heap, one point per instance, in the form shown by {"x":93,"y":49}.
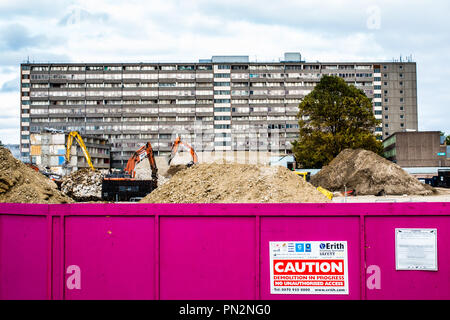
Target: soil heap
{"x":21,"y":184}
{"x":235,"y":183}
{"x":173,"y":169}
{"x":368,"y":174}
{"x":83,"y":185}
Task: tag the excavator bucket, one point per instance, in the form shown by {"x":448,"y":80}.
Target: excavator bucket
{"x":175,"y":148}
{"x":169,"y":159}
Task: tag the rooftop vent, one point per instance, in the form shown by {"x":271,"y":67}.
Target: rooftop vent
{"x":292,"y":57}
{"x":230,"y":59}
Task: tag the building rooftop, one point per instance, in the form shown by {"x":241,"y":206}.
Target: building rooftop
{"x":288,"y":57}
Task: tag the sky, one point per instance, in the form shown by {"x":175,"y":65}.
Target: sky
{"x":184,"y":30}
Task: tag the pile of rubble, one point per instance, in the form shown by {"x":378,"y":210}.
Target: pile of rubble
{"x":235,"y":183}
{"x":83,"y":185}
{"x":21,"y":184}
{"x":368,"y":174}
{"x":173,"y":169}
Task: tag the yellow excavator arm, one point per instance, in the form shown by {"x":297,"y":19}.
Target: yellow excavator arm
{"x":76,"y":135}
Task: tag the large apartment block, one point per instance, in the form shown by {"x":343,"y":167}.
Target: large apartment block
{"x":234,"y":103}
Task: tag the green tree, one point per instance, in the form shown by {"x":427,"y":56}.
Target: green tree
{"x":333,"y":117}
{"x":447,"y":138}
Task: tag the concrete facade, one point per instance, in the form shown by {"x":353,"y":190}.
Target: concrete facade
{"x":416,"y":149}
{"x":48,"y":150}
{"x":234,"y":104}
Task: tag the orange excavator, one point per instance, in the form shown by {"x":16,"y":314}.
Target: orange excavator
{"x":124,"y":186}
{"x":175,"y":146}
{"x":146,"y":151}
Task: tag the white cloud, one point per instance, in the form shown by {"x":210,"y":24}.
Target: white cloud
{"x":9,"y":117}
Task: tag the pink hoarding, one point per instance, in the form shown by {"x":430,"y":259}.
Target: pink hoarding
{"x":207,"y":251}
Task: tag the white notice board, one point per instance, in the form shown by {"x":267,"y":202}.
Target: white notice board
{"x":416,"y":249}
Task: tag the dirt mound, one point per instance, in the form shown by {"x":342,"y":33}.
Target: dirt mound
{"x":235,"y":183}
{"x":21,"y":184}
{"x":173,"y":169}
{"x":368,"y":174}
{"x":83,"y":185}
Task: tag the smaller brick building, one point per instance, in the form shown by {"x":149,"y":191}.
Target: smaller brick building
{"x":417,"y":149}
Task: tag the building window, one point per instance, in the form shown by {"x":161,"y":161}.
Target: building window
{"x":386,"y":117}
{"x":208,"y":67}
{"x":402,"y":116}
{"x":385,"y":92}
{"x":222,"y":118}
{"x":386,"y":108}
{"x":385,"y":83}
{"x":384,"y":67}
{"x":402,"y":125}
{"x":221,"y":84}
{"x":401,"y":99}
{"x":222,"y":100}
{"x":386,"y":100}
{"x":386,"y":125}
{"x":401,"y":108}
{"x":385,"y":75}
{"x":186,"y":68}
{"x":223,"y":109}
{"x":221,"y":75}
{"x":221,"y":126}
{"x":387,"y":133}
{"x":378,"y":112}
{"x":221,"y":92}
{"x":401,"y":83}
{"x":401,"y":91}
{"x":400,"y":67}
{"x":401,"y":75}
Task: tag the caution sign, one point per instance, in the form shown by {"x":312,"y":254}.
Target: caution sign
{"x":308,"y":267}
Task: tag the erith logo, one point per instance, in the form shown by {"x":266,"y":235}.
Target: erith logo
{"x":332,"y":246}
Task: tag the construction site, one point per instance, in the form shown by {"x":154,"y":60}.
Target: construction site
{"x":232,"y":159}
{"x":178,"y":222}
{"x":354,"y":175}
{"x":149,"y":230}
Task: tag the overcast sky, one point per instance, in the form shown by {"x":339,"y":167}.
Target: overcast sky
{"x":171,"y":30}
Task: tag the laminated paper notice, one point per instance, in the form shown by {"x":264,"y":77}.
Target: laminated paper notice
{"x":308,"y":267}
{"x":416,"y":249}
